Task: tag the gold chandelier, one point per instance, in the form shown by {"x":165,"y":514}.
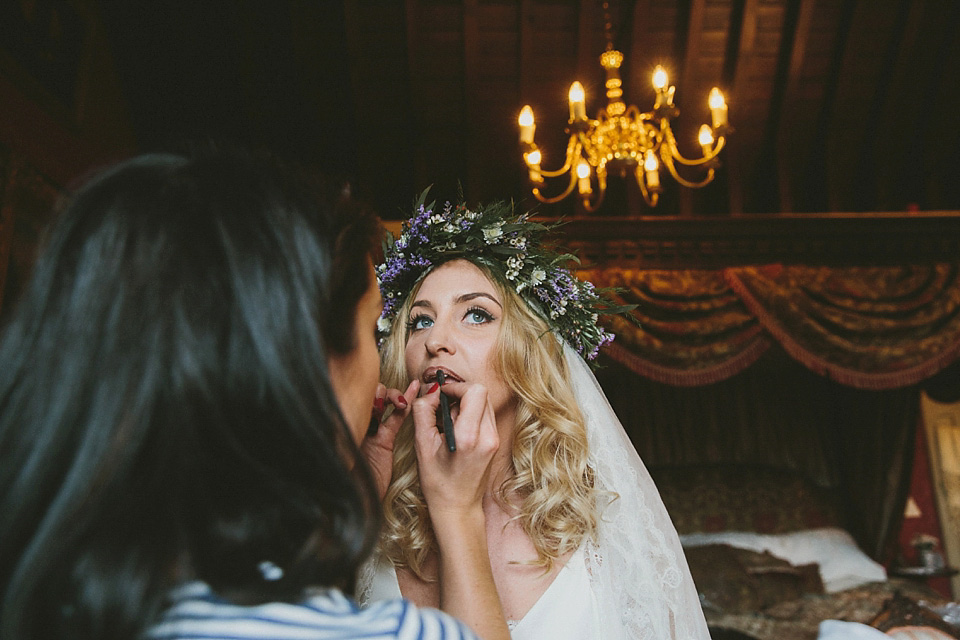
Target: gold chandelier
{"x":623,"y":139}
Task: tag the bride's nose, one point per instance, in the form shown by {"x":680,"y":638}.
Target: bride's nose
{"x":440,"y":339}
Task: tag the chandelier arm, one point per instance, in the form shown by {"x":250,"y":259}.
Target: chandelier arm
{"x":591,"y":209}
{"x":720,"y":144}
{"x":671,"y":141}
{"x":559,"y":172}
{"x":696,"y":162}
{"x":668,"y":160}
{"x":572,"y":152}
{"x":547,"y":200}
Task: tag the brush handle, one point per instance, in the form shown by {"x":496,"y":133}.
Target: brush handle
{"x":445,"y":416}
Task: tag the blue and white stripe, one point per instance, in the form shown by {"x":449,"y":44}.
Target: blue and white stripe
{"x":196,"y":613}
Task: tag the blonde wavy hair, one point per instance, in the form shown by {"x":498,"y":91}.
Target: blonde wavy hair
{"x":551,"y":488}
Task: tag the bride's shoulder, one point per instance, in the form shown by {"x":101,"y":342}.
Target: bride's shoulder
{"x":423,"y":593}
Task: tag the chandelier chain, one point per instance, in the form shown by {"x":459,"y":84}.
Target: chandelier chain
{"x":607,"y":24}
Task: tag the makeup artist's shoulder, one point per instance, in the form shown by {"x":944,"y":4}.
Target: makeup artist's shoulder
{"x":328,"y":615}
{"x":414,"y":623}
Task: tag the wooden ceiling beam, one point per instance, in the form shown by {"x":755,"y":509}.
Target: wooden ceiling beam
{"x":526,"y":69}
{"x":472,"y":97}
{"x":737,"y":94}
{"x":715,"y":242}
{"x":939,"y":161}
{"x":863,"y":88}
{"x":416,"y":81}
{"x":525,"y":51}
{"x":639,"y":55}
{"x":688,"y":80}
{"x":692,"y":53}
{"x":588,"y":55}
{"x":787,"y":145}
{"x":638,"y":58}
{"x":379,"y":75}
{"x":905,"y":77}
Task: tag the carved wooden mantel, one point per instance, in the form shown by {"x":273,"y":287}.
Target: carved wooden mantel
{"x":837,"y":239}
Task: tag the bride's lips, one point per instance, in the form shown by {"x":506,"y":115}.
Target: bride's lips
{"x":429,"y":375}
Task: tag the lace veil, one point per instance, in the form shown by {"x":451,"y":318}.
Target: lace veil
{"x":636,"y":564}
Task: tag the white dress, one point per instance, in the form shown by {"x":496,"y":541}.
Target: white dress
{"x":567,"y":610}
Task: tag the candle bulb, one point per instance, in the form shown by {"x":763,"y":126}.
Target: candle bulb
{"x":705,"y":138}
{"x":583,"y":174}
{"x":527,"y":125}
{"x":660,"y":81}
{"x":578,"y":109}
{"x":533,"y":165}
{"x":650,"y":166}
{"x":718,"y":108}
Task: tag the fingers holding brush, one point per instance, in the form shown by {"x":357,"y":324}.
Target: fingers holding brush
{"x":455,"y":480}
{"x":390,"y":409}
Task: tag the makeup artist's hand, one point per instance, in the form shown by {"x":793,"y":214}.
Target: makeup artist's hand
{"x":453,"y":485}
{"x":378,"y":448}
{"x":455,"y":481}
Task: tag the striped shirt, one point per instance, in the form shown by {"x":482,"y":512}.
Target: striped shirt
{"x":196,"y":613}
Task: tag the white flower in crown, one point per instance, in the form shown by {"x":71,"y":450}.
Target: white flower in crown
{"x":492,"y":232}
{"x":538,"y":276}
{"x":520,"y":242}
{"x":450,"y":246}
{"x":450,"y":227}
{"x":435,"y":219}
{"x":383,"y":325}
{"x":471,"y":215}
{"x":403,"y":240}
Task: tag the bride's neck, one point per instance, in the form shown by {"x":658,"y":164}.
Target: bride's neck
{"x":501,"y":467}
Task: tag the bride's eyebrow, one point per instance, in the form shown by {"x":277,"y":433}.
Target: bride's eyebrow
{"x":479,"y":294}
{"x":421,"y":303}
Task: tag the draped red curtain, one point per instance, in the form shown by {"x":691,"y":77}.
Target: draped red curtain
{"x":866,"y":327}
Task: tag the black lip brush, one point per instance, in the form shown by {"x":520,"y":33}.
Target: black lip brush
{"x":447,"y":421}
{"x":374,"y":425}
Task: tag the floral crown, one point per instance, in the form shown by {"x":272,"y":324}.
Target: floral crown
{"x":511,"y":246}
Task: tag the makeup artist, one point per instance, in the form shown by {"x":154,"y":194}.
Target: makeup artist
{"x":580,"y":544}
{"x":185,"y":386}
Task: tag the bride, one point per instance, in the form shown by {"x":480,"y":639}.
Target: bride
{"x":580,"y":544}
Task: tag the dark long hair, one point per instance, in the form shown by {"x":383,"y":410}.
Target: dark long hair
{"x":166,"y":411}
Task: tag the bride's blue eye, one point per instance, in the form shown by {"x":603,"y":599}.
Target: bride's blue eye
{"x":419,"y":322}
{"x":478,"y":315}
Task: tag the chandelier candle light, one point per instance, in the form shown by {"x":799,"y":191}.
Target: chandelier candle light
{"x":622,"y":138}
